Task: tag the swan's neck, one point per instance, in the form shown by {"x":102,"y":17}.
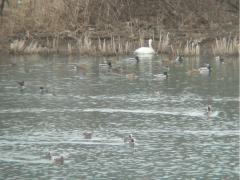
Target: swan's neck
{"x":150,"y":44}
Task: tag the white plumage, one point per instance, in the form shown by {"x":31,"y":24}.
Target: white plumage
{"x":145,"y":50}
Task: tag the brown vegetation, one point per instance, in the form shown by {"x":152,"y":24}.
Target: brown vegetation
{"x":117,"y":26}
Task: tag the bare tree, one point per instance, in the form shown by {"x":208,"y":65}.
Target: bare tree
{"x":2,"y":6}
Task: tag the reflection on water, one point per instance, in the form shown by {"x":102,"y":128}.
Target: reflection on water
{"x":167,"y":116}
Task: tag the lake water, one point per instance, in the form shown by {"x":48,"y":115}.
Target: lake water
{"x":175,"y":138}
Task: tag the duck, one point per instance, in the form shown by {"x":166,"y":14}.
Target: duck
{"x":193,"y":72}
{"x":145,"y":50}
{"x":48,"y":155}
{"x":179,"y":59}
{"x":133,"y":60}
{"x":43,"y":90}
{"x":209,"y":111}
{"x":209,"y":108}
{"x":130,"y":139}
{"x":161,"y":76}
{"x":206,"y":69}
{"x":220,"y":59}
{"x":166,"y":68}
{"x":88,"y":135}
{"x":59,"y":160}
{"x":77,"y":67}
{"x":106,"y":64}
{"x":21,"y":84}
{"x":131,"y":76}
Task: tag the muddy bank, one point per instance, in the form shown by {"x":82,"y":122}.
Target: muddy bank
{"x":111,"y":27}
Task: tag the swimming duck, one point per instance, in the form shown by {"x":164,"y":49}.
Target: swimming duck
{"x":43,"y":90}
{"x":131,"y":76}
{"x":209,"y":108}
{"x":179,"y":59}
{"x":166,"y":68}
{"x":131,"y":60}
{"x":106,"y":64}
{"x":161,"y":76}
{"x":87,"y":135}
{"x":206,"y":69}
{"x":21,"y":84}
{"x":59,"y":160}
{"x":209,"y":111}
{"x":131,"y":140}
{"x":220,"y":59}
{"x":48,"y":155}
{"x":77,"y":67}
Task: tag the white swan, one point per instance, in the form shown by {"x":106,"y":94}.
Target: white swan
{"x":145,"y":50}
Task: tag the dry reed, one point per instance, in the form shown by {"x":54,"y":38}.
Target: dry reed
{"x":226,"y":46}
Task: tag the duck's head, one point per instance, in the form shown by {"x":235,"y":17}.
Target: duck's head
{"x":137,"y":59}
{"x":209,"y":108}
{"x":209,"y":67}
{"x":165,"y":73}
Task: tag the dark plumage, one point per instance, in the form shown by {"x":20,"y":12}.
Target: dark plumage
{"x":137,"y":59}
{"x":21,"y":83}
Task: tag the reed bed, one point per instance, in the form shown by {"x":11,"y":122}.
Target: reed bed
{"x":226,"y":46}
{"x":163,"y":43}
{"x":112,"y":46}
{"x":190,"y":48}
{"x":34,"y":47}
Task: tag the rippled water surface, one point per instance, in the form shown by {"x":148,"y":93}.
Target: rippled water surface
{"x":175,"y":138}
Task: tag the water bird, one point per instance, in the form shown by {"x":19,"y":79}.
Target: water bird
{"x":106,"y":64}
{"x":161,"y":76}
{"x":48,"y":155}
{"x":109,"y":63}
{"x":220,"y":59}
{"x":132,"y":60}
{"x":203,"y":70}
{"x":88,"y":135}
{"x":131,"y":76}
{"x":206,"y":69}
{"x":59,"y":160}
{"x":145,"y":50}
{"x":166,"y":68}
{"x":21,"y":84}
{"x":193,"y":72}
{"x":179,"y":59}
{"x":130,"y":140}
{"x":43,"y":90}
{"x":209,"y":110}
{"x":77,"y":67}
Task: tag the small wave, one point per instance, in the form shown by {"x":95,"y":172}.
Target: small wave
{"x":194,"y":113}
{"x":105,"y":142}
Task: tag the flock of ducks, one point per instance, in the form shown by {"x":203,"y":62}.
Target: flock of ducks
{"x":108,"y":64}
{"x":59,"y":160}
{"x":22,"y":87}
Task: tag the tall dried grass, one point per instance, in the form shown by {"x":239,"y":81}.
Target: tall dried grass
{"x":190,"y":48}
{"x":163,"y":43}
{"x":226,"y":46}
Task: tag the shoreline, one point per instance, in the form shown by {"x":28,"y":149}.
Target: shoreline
{"x":170,"y":43}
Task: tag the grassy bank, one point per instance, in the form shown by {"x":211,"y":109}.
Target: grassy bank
{"x":120,"y":26}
